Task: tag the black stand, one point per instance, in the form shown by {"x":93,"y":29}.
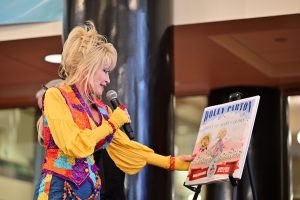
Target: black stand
{"x":234,"y":182}
{"x":196,"y":189}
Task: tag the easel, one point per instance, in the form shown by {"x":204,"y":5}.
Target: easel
{"x":234,"y":182}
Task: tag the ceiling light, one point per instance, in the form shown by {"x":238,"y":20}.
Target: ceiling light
{"x":298,"y":137}
{"x":53,"y":58}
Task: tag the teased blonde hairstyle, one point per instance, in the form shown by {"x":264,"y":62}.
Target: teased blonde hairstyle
{"x":84,"y":51}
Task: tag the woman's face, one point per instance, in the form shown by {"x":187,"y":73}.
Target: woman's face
{"x":101,"y":79}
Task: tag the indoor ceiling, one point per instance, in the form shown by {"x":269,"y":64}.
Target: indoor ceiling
{"x":249,"y":52}
{"x":24,"y":70}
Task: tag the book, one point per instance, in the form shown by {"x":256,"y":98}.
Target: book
{"x":222,"y":141}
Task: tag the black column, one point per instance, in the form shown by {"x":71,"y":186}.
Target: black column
{"x":139,"y":29}
{"x":268,"y":157}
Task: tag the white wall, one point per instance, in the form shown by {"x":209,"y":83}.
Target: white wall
{"x":35,"y":30}
{"x":185,"y":12}
{"x":197,"y":11}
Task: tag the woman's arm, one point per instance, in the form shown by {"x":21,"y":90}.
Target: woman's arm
{"x":131,"y":156}
{"x":67,"y":135}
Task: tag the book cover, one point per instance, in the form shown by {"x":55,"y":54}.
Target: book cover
{"x":222,"y":142}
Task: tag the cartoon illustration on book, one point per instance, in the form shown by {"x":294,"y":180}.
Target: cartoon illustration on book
{"x":215,"y":152}
{"x":222,"y":143}
{"x":203,"y":144}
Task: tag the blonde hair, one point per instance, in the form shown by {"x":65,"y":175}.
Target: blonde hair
{"x":84,"y":51}
{"x":205,"y":137}
{"x":222,"y":133}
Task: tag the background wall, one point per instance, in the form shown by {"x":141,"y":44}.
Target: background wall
{"x":195,"y":11}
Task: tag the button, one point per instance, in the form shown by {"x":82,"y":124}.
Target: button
{"x":86,"y":170}
{"x":85,"y":161}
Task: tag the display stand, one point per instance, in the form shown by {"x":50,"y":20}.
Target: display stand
{"x":196,"y":189}
{"x":234,"y":182}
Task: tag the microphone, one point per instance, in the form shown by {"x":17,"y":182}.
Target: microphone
{"x":112,"y":96}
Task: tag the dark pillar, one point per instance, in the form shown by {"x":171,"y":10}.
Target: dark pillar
{"x":143,"y":77}
{"x":267,"y":154}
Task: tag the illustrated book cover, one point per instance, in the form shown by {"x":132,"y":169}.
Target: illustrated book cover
{"x":222,"y":142}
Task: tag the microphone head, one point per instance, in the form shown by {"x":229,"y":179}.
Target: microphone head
{"x":111,"y":94}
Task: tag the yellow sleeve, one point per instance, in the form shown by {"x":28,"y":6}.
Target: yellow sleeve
{"x":131,"y":156}
{"x":67,"y":135}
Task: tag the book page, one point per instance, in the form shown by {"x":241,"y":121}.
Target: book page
{"x":222,"y":142}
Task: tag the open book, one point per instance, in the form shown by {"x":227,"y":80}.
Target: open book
{"x":222,"y":142}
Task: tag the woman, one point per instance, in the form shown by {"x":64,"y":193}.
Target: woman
{"x":76,"y":123}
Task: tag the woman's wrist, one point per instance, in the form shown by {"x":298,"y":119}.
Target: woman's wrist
{"x":172,"y":163}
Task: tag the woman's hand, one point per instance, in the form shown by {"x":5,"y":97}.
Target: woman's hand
{"x":120,"y":116}
{"x":186,"y":158}
{"x":127,"y":114}
{"x":180,"y":162}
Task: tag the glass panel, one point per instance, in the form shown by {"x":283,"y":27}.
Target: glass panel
{"x":188,"y":114}
{"x":294,"y":126}
{"x":17,"y":153}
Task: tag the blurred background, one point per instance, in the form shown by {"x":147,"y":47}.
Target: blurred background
{"x":216,"y":44}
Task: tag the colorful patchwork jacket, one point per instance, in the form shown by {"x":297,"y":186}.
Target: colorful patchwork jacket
{"x":71,"y":135}
{"x":66,"y":166}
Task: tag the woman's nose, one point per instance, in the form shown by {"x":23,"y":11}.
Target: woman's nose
{"x":107,"y":79}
